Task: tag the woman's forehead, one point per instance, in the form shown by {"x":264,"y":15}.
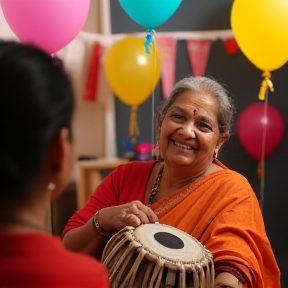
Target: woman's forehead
{"x":196,"y":100}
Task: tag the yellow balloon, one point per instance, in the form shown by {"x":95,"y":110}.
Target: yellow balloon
{"x":130,"y":71}
{"x":261,"y":30}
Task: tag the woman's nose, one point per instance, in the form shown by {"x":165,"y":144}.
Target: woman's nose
{"x":188,"y":131}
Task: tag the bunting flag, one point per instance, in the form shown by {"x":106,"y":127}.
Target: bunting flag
{"x":167,"y":47}
{"x":73,"y":56}
{"x":92,"y":76}
{"x":198,"y":52}
{"x":231,"y":46}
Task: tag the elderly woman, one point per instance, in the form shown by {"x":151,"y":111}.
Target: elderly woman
{"x":189,"y":189}
{"x":36,"y":158}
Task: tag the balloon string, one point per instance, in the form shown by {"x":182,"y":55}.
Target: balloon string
{"x":153,"y":104}
{"x":266,"y":83}
{"x":262,"y":163}
{"x":149,"y":43}
{"x":133,"y":125}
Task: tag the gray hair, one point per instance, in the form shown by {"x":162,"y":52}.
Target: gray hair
{"x":203,"y":84}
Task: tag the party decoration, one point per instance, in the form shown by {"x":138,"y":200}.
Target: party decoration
{"x":261,"y":31}
{"x":50,"y":25}
{"x":132,"y":73}
{"x":231,"y":46}
{"x":254,"y":123}
{"x":143,"y":151}
{"x":198,"y":52}
{"x":266,"y":83}
{"x":149,"y":42}
{"x":167,"y":47}
{"x":150,"y":13}
{"x":93,"y":72}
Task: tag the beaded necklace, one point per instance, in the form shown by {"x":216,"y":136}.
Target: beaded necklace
{"x":156,"y":186}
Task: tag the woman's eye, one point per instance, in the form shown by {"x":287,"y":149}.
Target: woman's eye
{"x":177,"y":116}
{"x":204,"y":125}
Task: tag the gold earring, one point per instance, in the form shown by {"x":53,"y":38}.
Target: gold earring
{"x":155,"y":151}
{"x":51,"y":186}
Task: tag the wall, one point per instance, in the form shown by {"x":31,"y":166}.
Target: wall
{"x":243,"y":80}
{"x":89,"y":115}
{"x":5,"y":31}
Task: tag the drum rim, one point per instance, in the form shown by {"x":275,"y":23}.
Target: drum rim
{"x":206,"y":254}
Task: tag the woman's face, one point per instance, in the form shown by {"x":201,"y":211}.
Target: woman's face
{"x":189,"y":134}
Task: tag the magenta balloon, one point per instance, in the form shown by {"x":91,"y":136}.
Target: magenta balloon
{"x":48,"y":24}
{"x":250,"y":126}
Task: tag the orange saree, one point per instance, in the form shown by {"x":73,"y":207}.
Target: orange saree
{"x":222,"y":212}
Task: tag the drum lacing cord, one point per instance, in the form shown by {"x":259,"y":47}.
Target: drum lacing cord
{"x":182,"y":278}
{"x":130,"y":278}
{"x":202,"y":276}
{"x":159,"y":265}
{"x":123,"y":260}
{"x":129,"y":257}
{"x":115,"y":249}
{"x":147,"y":274}
{"x":157,"y":274}
{"x":110,"y":254}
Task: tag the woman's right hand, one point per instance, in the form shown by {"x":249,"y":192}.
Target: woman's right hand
{"x":135,"y":213}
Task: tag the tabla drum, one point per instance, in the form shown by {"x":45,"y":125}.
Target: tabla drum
{"x":157,"y":255}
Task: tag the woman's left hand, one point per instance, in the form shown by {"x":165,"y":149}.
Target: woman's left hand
{"x":133,"y":214}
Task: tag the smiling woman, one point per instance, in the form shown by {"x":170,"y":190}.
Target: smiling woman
{"x":190,"y":139}
{"x":188,"y":188}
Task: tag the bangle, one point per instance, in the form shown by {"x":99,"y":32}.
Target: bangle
{"x":96,"y":225}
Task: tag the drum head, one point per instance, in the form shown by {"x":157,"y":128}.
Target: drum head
{"x":169,"y":243}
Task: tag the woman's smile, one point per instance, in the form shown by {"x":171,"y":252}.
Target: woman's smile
{"x":182,"y":146}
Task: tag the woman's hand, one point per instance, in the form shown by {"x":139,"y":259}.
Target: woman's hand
{"x":133,"y":214}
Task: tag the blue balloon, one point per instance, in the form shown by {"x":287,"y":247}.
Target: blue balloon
{"x":150,"y":13}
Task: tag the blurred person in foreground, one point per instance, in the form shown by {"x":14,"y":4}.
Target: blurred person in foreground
{"x":188,"y":188}
{"x":36,"y":158}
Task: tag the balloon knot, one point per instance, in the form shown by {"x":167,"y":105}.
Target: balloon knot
{"x":149,"y":41}
{"x":266,"y":83}
{"x":133,"y":125}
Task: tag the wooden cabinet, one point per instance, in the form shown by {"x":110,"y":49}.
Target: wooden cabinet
{"x":90,"y":175}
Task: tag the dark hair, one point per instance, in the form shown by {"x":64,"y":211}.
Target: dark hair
{"x":212,"y":87}
{"x":37,"y":100}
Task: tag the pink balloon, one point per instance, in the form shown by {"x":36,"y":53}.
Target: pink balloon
{"x":251,"y":124}
{"x":48,"y":24}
